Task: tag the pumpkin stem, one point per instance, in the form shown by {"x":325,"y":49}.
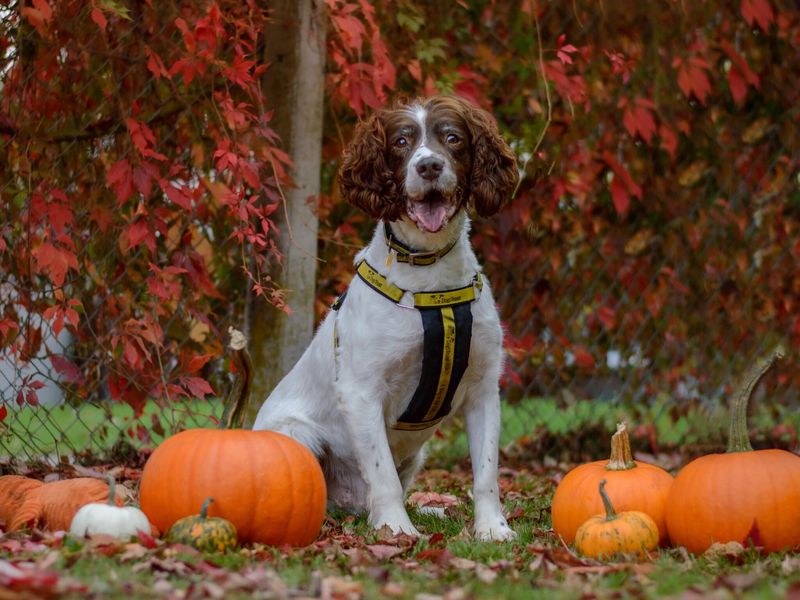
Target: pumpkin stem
{"x":204,"y":508}
{"x":621,"y":457}
{"x":239,"y":396}
{"x":611,"y":514}
{"x":738,"y":438}
{"x":112,"y":484}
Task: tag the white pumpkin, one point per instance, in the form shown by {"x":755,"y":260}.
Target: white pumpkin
{"x":118,"y":521}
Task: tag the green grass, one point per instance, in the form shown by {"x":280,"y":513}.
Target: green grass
{"x":33,"y":432}
{"x":570,"y":427}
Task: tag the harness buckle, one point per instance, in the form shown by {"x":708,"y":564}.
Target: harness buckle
{"x":409,"y":295}
{"x":477,"y":286}
{"x":414,"y":256}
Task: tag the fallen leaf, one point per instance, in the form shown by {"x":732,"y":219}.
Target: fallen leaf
{"x":728,"y":549}
{"x":519,"y":512}
{"x":356,"y":557}
{"x":393,"y":588}
{"x":485,"y":574}
{"x":439,"y":556}
{"x":793,"y":591}
{"x":88,"y":472}
{"x":146,"y":540}
{"x":791,"y":564}
{"x":378,"y":574}
{"x":455,"y":594}
{"x":105,"y":545}
{"x":384,"y":533}
{"x":336,"y":588}
{"x":739,"y":582}
{"x":465,"y":564}
{"x":384,"y":551}
{"x":163,"y":587}
{"x":27,"y":580}
{"x":133,"y":552}
{"x":422,"y":499}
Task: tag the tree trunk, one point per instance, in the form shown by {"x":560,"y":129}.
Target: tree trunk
{"x":294,"y":86}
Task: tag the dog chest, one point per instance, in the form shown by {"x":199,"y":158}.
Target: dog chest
{"x":420,"y":353}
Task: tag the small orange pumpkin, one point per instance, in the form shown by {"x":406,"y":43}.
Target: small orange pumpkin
{"x":743,"y":495}
{"x":612,"y":533}
{"x":52,"y":505}
{"x":268,"y":485}
{"x":631,"y":486}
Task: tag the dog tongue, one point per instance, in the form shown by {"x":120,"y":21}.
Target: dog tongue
{"x":431,"y":216}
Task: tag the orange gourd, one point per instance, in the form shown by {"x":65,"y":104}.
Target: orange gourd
{"x":268,"y":485}
{"x":743,"y":495}
{"x":30,"y":503}
{"x":632,"y":486}
{"x":13,"y":491}
{"x":612,"y":533}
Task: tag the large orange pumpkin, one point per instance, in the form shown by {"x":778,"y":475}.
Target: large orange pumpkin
{"x":265,"y":483}
{"x":631,"y":486}
{"x":268,"y":485}
{"x":743,"y":495}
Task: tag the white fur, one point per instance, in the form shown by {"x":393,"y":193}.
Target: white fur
{"x":415,"y":185}
{"x":343,"y":407}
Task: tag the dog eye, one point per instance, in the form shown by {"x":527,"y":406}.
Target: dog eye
{"x":401,"y":142}
{"x":452,"y":138}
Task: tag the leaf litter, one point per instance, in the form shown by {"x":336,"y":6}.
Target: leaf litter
{"x":349,"y":560}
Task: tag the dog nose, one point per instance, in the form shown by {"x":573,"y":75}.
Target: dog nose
{"x":430,"y":167}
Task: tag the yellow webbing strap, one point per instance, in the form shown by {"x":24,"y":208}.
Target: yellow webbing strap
{"x":421,"y":299}
{"x":378,"y":282}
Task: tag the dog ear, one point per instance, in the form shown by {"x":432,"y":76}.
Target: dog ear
{"x":365,"y":179}
{"x":494,"y":165}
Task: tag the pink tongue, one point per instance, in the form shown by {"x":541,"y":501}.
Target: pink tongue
{"x":431,"y":215}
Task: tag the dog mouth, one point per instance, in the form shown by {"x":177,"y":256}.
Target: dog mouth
{"x":431,"y":212}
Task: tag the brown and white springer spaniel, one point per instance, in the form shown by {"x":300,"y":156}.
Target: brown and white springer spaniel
{"x":417,"y":336}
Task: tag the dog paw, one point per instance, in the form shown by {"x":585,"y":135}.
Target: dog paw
{"x":397,"y":526}
{"x":499,"y":531}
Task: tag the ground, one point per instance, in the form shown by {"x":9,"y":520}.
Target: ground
{"x":350,"y":561}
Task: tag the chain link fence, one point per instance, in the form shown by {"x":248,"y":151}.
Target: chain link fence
{"x":623,"y":323}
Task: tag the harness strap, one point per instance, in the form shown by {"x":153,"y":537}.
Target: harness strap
{"x":462,"y":295}
{"x":447,"y":334}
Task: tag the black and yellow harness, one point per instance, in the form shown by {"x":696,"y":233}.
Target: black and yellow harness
{"x":447,"y":333}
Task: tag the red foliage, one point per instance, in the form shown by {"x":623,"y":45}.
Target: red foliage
{"x":656,"y":217}
{"x":141,"y":167}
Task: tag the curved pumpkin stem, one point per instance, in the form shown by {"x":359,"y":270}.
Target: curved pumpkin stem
{"x":738,"y":438}
{"x":611,"y":514}
{"x":621,"y":457}
{"x":112,"y":484}
{"x":239,"y":396}
{"x":204,"y":508}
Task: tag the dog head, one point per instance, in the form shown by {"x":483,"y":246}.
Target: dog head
{"x":426,"y":160}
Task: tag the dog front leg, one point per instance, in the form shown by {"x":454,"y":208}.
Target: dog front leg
{"x":483,"y":435}
{"x":363,"y":414}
